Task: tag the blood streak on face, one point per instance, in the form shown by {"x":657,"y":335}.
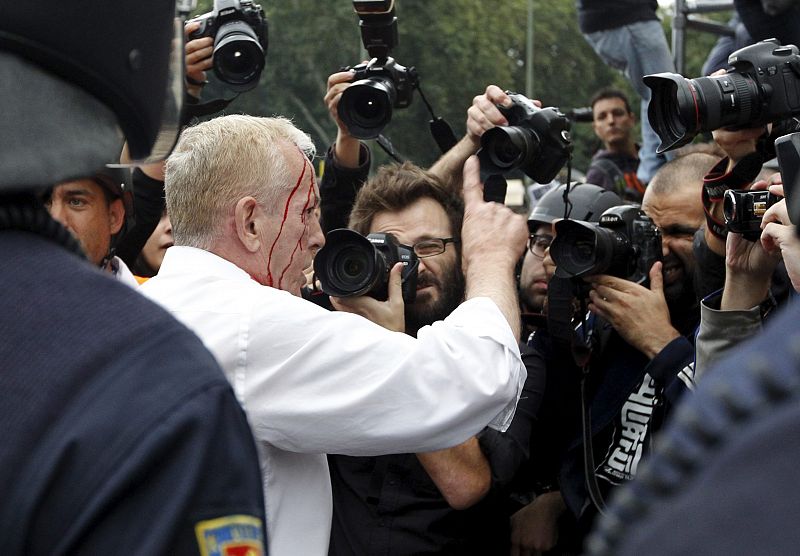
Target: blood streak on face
{"x":304,"y":220}
{"x":285,"y":224}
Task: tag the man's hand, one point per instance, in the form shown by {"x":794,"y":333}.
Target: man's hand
{"x":390,"y":313}
{"x":493,"y":238}
{"x":483,"y":115}
{"x":778,"y":236}
{"x":347,"y":147}
{"x":491,"y":232}
{"x":739,"y":143}
{"x":199,"y":59}
{"x":748,"y":273}
{"x":638,"y":314}
{"x":534,"y":528}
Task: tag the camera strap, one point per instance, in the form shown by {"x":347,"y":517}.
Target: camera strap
{"x":718,"y":180}
{"x":440,"y":130}
{"x":386,"y":144}
{"x":193,"y":108}
{"x":592,"y":487}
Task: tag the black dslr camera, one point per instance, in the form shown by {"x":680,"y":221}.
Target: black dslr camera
{"x":743,"y":211}
{"x":239,"y":28}
{"x":625,"y":243}
{"x":380,"y":84}
{"x":536,"y":141}
{"x":762,"y":87}
{"x":351,"y":264}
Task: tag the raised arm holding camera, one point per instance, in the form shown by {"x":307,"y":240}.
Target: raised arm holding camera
{"x":482,"y":116}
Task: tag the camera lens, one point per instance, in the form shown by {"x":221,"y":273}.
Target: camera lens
{"x":729,"y":207}
{"x":504,"y":151}
{"x":509,"y":148}
{"x":573,"y":249}
{"x":681,"y":108}
{"x":584,"y":249}
{"x":238,"y":56}
{"x":349,"y":264}
{"x":366,"y":106}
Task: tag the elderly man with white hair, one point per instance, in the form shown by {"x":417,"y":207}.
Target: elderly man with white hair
{"x":241,"y":194}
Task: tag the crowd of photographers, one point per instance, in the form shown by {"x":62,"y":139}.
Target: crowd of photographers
{"x":400,"y":364}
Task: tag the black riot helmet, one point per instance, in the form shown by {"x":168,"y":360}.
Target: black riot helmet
{"x":77,"y":79}
{"x":588,"y":201}
{"x":119,"y":183}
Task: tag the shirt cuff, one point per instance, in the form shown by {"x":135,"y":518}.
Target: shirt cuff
{"x":482,"y":317}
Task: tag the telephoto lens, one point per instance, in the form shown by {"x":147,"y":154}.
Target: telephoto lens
{"x":762,"y":87}
{"x":680,"y":108}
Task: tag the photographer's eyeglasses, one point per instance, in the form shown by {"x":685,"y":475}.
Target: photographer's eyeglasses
{"x":538,"y":244}
{"x":431,"y":247}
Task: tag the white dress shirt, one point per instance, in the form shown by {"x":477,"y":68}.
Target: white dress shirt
{"x":122,"y":273}
{"x":315,"y":382}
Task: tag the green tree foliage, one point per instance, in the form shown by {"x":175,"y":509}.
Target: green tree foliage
{"x":458,"y":48}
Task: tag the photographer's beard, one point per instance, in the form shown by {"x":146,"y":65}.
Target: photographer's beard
{"x":677,"y":278}
{"x":429,"y":308}
{"x":679,"y":290}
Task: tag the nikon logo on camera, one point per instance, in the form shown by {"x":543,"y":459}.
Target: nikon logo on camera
{"x":609,"y":219}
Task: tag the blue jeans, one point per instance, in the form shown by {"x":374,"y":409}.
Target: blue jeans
{"x":637,"y":49}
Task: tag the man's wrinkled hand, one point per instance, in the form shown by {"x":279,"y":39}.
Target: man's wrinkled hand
{"x":492,"y":233}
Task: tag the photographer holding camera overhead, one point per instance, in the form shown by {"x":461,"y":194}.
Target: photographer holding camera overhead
{"x":737,"y":106}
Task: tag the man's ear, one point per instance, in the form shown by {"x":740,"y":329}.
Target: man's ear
{"x":116,"y":216}
{"x":245,"y":222}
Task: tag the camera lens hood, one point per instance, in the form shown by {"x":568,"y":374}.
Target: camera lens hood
{"x":508,"y":148}
{"x":673,"y":111}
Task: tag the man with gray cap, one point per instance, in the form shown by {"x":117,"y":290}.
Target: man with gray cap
{"x":588,"y":202}
{"x":120,"y":434}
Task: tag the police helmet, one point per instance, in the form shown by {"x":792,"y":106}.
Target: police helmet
{"x":80,"y":78}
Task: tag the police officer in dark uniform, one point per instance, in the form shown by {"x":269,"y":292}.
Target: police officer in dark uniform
{"x":120,"y":433}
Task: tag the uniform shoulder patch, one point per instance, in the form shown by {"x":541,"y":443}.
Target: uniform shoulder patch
{"x":233,"y":535}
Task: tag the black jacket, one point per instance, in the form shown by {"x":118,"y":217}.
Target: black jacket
{"x":120,"y":433}
{"x":598,"y":15}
